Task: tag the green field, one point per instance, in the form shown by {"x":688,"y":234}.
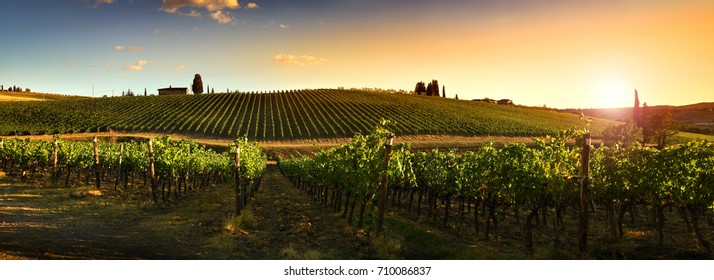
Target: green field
{"x":300,"y":114}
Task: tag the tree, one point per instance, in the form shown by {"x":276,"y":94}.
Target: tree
{"x":625,"y":135}
{"x":433,"y":88}
{"x":660,"y":128}
{"x":197,"y":86}
{"x":208,"y":89}
{"x":1,"y":87}
{"x":443,"y":91}
{"x":457,"y":97}
{"x":144,"y":91}
{"x":420,"y":88}
{"x":212,"y":92}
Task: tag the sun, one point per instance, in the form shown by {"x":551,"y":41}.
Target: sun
{"x":612,"y":92}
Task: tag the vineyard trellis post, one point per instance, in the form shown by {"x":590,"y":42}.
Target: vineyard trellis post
{"x":54,"y":161}
{"x":383,"y":186}
{"x":240,"y":199}
{"x":584,"y":193}
{"x":152,"y":173}
{"x":96,"y":162}
{"x":121,"y":154}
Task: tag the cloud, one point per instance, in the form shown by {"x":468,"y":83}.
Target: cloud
{"x":157,"y":30}
{"x":125,"y":48}
{"x":302,"y":60}
{"x":192,"y":13}
{"x":217,"y":9}
{"x":99,"y":2}
{"x":180,"y":68}
{"x":136,"y":67}
{"x":221,"y":17}
{"x":284,"y":26}
{"x":170,"y":10}
{"x":210,"y":5}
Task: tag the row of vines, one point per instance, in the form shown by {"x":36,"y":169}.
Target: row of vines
{"x":301,"y":114}
{"x":490,"y":185}
{"x":165,"y":168}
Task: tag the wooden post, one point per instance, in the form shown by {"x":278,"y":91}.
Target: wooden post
{"x":96,"y":162}
{"x":240,"y":200}
{"x":121,"y":154}
{"x":584,"y":193}
{"x":55,"y":149}
{"x":151,"y":172}
{"x":383,"y":186}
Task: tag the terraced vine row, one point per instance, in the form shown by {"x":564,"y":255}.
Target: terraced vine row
{"x":320,"y":113}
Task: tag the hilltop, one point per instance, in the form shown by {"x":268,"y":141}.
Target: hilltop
{"x":34,"y":96}
{"x":696,"y":118}
{"x":295,"y":114}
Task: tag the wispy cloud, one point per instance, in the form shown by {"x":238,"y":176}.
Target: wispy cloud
{"x":125,"y":48}
{"x":136,"y":67}
{"x":251,"y":6}
{"x":284,"y":26}
{"x":99,"y":2}
{"x":302,"y":60}
{"x":221,"y":16}
{"x":180,"y":68}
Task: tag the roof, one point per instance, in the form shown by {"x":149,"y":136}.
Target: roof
{"x":179,"y":88}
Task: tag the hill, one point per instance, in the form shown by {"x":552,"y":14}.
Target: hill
{"x":696,"y":118}
{"x":296,"y":114}
{"x":33,"y":96}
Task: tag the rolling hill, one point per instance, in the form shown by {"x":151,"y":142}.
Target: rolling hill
{"x":296,"y":114}
{"x":696,"y":118}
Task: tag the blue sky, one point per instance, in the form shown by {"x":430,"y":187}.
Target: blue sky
{"x":558,"y":53}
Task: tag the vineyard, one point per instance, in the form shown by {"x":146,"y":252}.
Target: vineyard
{"x":296,"y":114}
{"x":528,"y":187}
{"x":163,"y":167}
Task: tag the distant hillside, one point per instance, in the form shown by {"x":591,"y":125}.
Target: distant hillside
{"x":33,"y":96}
{"x":299,"y":114}
{"x":696,"y":118}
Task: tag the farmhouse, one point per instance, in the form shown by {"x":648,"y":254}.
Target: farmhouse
{"x":173,"y":91}
{"x":505,"y":102}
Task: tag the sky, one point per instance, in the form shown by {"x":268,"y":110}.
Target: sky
{"x":557,"y":53}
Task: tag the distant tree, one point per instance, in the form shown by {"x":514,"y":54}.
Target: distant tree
{"x":660,"y":128}
{"x":457,"y":97}
{"x":625,"y":135}
{"x":208,"y":89}
{"x":420,"y":88}
{"x":1,"y":87}
{"x":197,"y":86}
{"x":433,"y":88}
{"x":123,"y":93}
{"x":443,"y":91}
{"x":212,"y":92}
{"x":27,"y":90}
{"x":144,"y":91}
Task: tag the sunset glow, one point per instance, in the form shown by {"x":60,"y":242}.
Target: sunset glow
{"x":563,"y":54}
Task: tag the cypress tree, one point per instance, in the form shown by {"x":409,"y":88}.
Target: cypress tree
{"x":197,"y":86}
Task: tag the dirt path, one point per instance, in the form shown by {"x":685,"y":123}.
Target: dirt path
{"x":292,"y":226}
{"x":38,"y":222}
